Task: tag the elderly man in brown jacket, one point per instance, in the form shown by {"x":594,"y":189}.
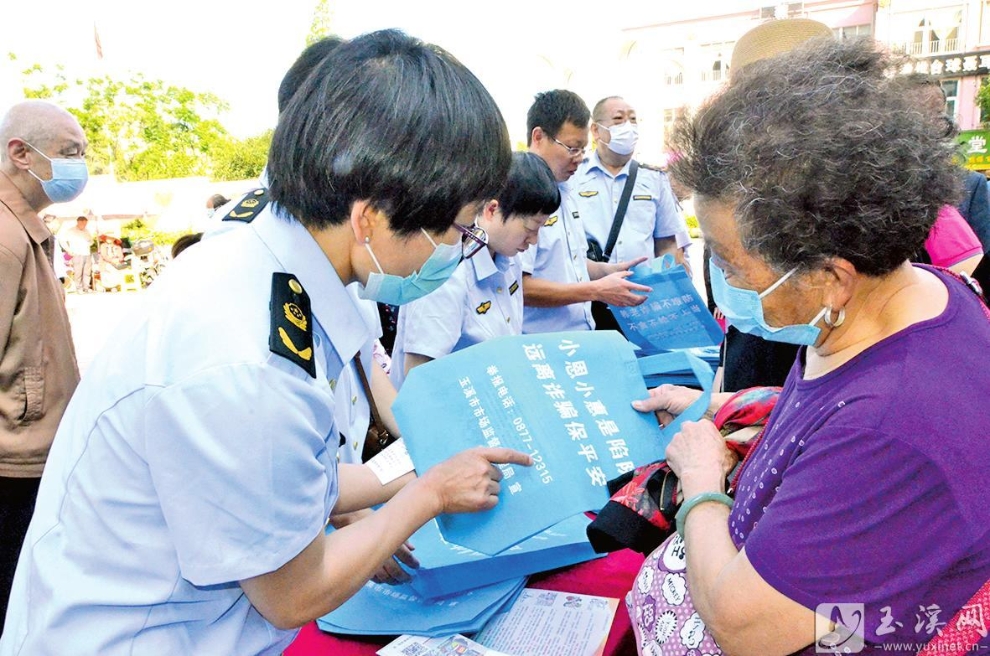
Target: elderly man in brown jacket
{"x":41,"y":162}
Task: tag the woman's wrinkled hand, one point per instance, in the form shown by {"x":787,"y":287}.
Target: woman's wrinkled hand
{"x":667,"y":401}
{"x":699,"y":457}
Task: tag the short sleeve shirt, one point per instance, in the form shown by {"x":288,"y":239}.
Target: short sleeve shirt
{"x":871,"y":483}
{"x":652,"y":212}
{"x":482,"y":300}
{"x":191,"y":457}
{"x":560,"y":255}
{"x":951,"y":240}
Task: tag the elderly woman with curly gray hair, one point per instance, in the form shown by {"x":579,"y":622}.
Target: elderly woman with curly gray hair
{"x":860,"y":521}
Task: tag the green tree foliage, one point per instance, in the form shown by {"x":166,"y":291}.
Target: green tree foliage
{"x":320,"y":26}
{"x":983,"y":100}
{"x":138,"y":129}
{"x":241,"y":159}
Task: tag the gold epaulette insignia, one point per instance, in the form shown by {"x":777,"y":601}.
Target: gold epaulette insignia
{"x":249,"y":207}
{"x":291,"y":328}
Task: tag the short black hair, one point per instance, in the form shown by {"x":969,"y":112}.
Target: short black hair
{"x":184,"y":242}
{"x":598,"y":113}
{"x":530,"y":188}
{"x":388,"y":119}
{"x":552,"y":109}
{"x":822,"y":155}
{"x":303,"y":66}
{"x":217,"y":200}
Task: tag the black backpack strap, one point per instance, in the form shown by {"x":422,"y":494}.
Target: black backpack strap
{"x":620,"y":212}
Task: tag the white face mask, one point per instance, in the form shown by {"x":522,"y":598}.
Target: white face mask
{"x":622,"y":137}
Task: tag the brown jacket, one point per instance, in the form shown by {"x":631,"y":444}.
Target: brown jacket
{"x":38,"y":370}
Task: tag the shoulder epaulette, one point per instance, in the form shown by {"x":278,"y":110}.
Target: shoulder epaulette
{"x":292,"y":322}
{"x":250,"y":206}
{"x":650,"y":167}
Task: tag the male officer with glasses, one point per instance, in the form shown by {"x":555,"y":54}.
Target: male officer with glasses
{"x":651,"y":224}
{"x":559,"y":282}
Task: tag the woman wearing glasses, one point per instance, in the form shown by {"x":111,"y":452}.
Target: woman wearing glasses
{"x":183,"y":506}
{"x":483,"y":299}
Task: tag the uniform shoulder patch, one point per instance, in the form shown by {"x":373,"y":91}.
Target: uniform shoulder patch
{"x":484,"y":307}
{"x":551,"y":221}
{"x":292,"y":322}
{"x":514,"y":287}
{"x":643,"y":197}
{"x":249,"y":207}
{"x":587,"y":194}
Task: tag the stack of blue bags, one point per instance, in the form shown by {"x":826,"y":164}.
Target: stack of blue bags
{"x":457,"y":590}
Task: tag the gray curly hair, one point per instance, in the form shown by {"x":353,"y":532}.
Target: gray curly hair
{"x":822,"y":156}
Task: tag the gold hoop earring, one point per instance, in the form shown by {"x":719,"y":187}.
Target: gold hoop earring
{"x":840,"y":317}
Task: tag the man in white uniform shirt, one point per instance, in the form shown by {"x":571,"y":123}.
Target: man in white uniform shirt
{"x":651,"y":223}
{"x":559,"y":282}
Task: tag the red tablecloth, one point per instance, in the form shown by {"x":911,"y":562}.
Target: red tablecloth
{"x":611,"y":576}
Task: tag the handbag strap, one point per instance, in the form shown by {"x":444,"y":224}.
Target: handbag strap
{"x":620,"y":212}
{"x":375,"y":417}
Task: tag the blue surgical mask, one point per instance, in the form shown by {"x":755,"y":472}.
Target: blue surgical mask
{"x":69,"y":177}
{"x":744,"y":309}
{"x":396,"y":290}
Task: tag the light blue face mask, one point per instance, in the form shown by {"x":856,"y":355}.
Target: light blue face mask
{"x":744,"y":310}
{"x":69,"y":177}
{"x":396,"y":290}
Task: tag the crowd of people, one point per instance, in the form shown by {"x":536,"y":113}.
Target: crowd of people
{"x":189,"y":477}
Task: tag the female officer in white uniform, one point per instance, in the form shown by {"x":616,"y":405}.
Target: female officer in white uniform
{"x":484,"y":297}
{"x":183,"y":504}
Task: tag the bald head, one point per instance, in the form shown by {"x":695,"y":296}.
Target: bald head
{"x":41,"y":124}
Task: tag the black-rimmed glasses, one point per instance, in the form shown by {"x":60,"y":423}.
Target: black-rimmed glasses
{"x":473,"y":239}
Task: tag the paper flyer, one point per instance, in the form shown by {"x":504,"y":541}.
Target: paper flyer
{"x":551,"y":623}
{"x":456,"y":645}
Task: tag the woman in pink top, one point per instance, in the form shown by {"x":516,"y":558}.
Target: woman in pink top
{"x":952,"y":243}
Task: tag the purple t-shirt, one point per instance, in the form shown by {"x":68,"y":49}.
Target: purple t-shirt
{"x":872,"y":483}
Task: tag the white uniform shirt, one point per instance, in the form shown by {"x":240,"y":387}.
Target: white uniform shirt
{"x":77,"y":241}
{"x":352,"y":411}
{"x":191,"y":457}
{"x":481,"y":300}
{"x":652,"y":212}
{"x":560,"y":255}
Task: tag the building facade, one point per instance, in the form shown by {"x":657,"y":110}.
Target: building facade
{"x":686,"y":52}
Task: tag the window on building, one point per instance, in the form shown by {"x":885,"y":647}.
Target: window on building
{"x":767,"y":13}
{"x":853,"y":31}
{"x":673,"y":68}
{"x":951,"y":90}
{"x":936,"y":31}
{"x":716,"y":58}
